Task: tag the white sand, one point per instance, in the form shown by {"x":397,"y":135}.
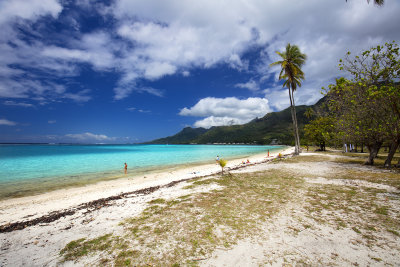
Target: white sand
{"x":31,"y":207}
{"x":39,"y":245}
{"x":284,"y":241}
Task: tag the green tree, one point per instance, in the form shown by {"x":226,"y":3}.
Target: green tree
{"x":309,"y":113}
{"x":291,"y":73}
{"x":367,"y":107}
{"x":222,"y":163}
{"x":320,"y":130}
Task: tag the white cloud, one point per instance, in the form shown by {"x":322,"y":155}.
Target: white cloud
{"x":90,"y":137}
{"x":81,"y":96}
{"x":51,"y":121}
{"x":186,"y":35}
{"x":159,"y":38}
{"x":250,"y":85}
{"x":217,"y":121}
{"x":226,"y":111}
{"x":7,"y":122}
{"x":28,"y":9}
{"x":18,"y":104}
{"x":123,"y":91}
{"x":138,"y":110}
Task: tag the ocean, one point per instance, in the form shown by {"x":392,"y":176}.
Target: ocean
{"x":31,"y":169}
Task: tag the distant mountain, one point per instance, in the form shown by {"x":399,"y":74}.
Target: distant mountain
{"x":273,"y":128}
{"x":183,"y":137}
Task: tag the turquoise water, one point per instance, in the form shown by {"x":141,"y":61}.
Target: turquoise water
{"x":26,"y":168}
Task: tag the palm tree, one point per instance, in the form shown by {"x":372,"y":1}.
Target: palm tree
{"x":309,"y":113}
{"x":292,"y":60}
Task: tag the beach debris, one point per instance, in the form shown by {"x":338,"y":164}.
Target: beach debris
{"x":51,"y":217}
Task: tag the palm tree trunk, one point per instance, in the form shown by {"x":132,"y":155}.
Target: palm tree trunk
{"x":293,"y":111}
{"x":295,"y":122}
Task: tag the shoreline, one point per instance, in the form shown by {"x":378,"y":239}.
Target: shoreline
{"x":295,"y":205}
{"x":31,"y":187}
{"x":31,"y":208}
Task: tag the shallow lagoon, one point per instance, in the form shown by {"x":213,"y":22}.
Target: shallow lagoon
{"x":26,"y":169}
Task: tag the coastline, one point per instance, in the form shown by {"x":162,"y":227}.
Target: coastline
{"x":35,"y":178}
{"x":268,"y":212}
{"x":34,"y":206}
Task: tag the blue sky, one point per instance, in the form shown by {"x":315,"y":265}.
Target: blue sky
{"x":128,"y":71}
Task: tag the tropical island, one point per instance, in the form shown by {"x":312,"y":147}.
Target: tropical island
{"x":298,"y":205}
{"x":316,"y":185}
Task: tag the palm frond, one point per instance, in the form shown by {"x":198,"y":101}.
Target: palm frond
{"x":292,"y":60}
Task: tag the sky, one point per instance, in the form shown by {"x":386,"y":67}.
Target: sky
{"x":128,"y":71}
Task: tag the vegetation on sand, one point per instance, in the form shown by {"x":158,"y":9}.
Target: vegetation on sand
{"x":222,"y":163}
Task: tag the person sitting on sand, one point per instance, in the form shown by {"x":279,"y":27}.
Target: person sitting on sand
{"x":248,"y":161}
{"x":126,"y":168}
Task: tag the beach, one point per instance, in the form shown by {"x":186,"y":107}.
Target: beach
{"x":289,"y":233}
{"x":33,"y":207}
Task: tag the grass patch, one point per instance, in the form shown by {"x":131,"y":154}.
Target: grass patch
{"x":393,"y":232}
{"x":157,"y":201}
{"x":179,"y":231}
{"x":190,"y":227}
{"x":78,"y":248}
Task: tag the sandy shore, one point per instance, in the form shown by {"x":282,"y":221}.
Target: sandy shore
{"x":19,"y":209}
{"x":40,"y":243}
{"x":300,"y":233}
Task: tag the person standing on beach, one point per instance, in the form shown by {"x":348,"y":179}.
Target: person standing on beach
{"x":126,"y":168}
{"x":217,"y":159}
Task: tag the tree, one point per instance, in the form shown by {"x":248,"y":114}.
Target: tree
{"x":356,"y":116}
{"x":222,"y":163}
{"x":367,"y":107}
{"x":321,"y":130}
{"x":292,"y":60}
{"x":309,"y":113}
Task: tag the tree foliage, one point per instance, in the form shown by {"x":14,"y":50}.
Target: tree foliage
{"x":222,"y":163}
{"x":321,"y":130}
{"x":366,"y":108}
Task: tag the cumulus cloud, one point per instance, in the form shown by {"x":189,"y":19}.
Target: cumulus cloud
{"x":150,"y":39}
{"x":11,"y":10}
{"x":90,"y":137}
{"x":226,"y":111}
{"x":250,"y":85}
{"x":172,"y":35}
{"x":7,"y":122}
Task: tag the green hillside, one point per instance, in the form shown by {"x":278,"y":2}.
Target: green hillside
{"x":183,"y":137}
{"x":273,"y":128}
